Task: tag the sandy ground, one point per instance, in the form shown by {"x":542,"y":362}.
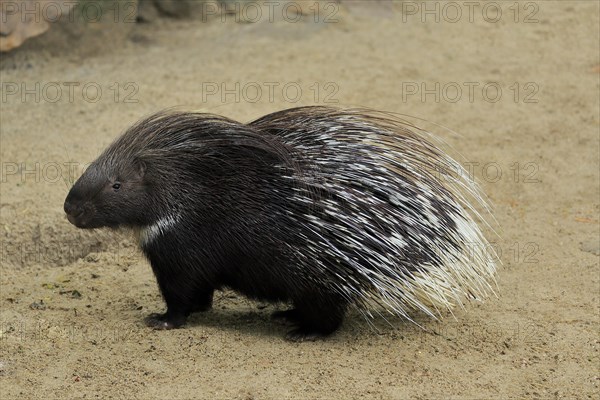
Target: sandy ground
{"x":72,"y":302}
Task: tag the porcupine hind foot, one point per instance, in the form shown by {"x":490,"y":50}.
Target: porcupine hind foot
{"x":313,"y":323}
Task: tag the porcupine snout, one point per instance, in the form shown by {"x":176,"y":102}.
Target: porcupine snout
{"x":78,"y":211}
{"x":74,"y":210}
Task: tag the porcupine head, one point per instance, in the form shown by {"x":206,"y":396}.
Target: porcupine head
{"x":111,"y":193}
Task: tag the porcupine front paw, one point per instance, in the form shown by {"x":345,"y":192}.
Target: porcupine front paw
{"x":164,"y":321}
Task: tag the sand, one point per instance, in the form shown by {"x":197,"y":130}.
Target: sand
{"x":72,"y":302}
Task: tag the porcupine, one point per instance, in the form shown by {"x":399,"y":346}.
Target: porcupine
{"x":320,"y":207}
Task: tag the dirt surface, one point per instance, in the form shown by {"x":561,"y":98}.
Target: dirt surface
{"x":72,"y":302}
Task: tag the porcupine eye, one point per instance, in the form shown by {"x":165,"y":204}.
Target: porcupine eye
{"x":116,"y":186}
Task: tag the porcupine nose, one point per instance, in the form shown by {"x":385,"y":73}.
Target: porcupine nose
{"x":72,"y":211}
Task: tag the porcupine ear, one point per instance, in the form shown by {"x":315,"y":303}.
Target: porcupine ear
{"x":139,"y":166}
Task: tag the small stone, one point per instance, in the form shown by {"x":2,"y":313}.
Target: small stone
{"x":591,"y":246}
{"x":92,"y":257}
{"x":38,"y":305}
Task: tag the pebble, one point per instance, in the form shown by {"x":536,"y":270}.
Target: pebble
{"x":591,"y":246}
